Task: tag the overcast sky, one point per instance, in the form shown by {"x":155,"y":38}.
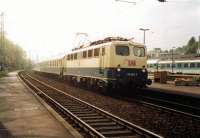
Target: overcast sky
{"x":47,"y":27}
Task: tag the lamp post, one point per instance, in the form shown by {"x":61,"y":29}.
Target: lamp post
{"x":172,"y":60}
{"x":144,"y":31}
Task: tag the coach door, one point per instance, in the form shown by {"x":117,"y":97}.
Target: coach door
{"x":102,"y":59}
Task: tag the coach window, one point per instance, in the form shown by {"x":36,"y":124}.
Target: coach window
{"x":75,"y":55}
{"x":185,"y":65}
{"x":192,"y":65}
{"x":90,"y":53}
{"x":122,"y":50}
{"x":96,"y":52}
{"x":84,"y":54}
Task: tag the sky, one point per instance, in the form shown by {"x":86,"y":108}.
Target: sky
{"x":48,"y":28}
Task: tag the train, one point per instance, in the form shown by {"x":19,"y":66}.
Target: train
{"x":186,"y":66}
{"x":111,"y":63}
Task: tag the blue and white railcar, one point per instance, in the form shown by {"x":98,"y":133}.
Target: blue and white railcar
{"x":177,"y":66}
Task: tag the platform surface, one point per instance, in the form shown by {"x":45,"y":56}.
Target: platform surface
{"x":182,"y":90}
{"x":22,"y":116}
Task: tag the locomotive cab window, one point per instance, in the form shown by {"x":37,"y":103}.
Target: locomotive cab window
{"x":122,"y":50}
{"x":75,"y":55}
{"x":90,"y":53}
{"x":96,"y":52}
{"x":139,"y":51}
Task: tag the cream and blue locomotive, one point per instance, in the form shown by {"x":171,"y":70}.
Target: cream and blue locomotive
{"x":110,"y":63}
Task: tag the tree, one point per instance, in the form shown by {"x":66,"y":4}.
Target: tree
{"x":12,"y":56}
{"x":190,"y":48}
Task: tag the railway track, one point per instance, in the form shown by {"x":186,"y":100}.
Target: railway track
{"x":188,"y":106}
{"x":163,"y":102}
{"x":93,"y":121}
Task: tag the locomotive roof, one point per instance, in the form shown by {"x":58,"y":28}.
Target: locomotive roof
{"x":105,"y":42}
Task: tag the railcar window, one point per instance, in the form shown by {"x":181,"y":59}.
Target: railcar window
{"x":90,"y":53}
{"x":139,"y":51}
{"x":185,"y":65}
{"x":192,"y":65}
{"x":96,"y":52}
{"x":75,"y":55}
{"x":103,"y":51}
{"x":122,"y":50}
{"x":84,"y":54}
{"x":179,"y":65}
{"x":198,"y":65}
{"x":168,"y":65}
{"x":162,"y":66}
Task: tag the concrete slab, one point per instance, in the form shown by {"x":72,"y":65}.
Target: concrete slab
{"x":182,"y":90}
{"x":22,"y":116}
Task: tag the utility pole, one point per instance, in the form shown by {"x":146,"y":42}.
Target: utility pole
{"x":198,"y":50}
{"x":172,"y":59}
{"x":144,"y":31}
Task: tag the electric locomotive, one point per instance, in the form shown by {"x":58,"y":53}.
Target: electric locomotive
{"x":109,"y":63}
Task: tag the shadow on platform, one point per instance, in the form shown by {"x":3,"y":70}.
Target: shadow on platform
{"x":4,"y":132}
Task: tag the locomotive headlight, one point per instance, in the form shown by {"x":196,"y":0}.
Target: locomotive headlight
{"x":118,"y":69}
{"x":143,"y":70}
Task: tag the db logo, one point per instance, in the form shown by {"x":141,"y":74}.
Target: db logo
{"x":130,"y":62}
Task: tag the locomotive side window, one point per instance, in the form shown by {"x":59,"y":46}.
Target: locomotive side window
{"x":122,"y":50}
{"x":139,"y":51}
{"x":84,"y":54}
{"x":103,"y":51}
{"x":90,"y":53}
{"x":96,"y":52}
{"x":75,"y":55}
{"x":68,"y":57}
{"x":71,"y":56}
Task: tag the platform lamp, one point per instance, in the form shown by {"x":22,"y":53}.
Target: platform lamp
{"x":144,"y":31}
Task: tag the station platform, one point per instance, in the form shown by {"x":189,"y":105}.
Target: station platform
{"x":23,"y":116}
{"x":170,"y":87}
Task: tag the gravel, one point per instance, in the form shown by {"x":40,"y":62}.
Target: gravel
{"x":166,"y":124}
